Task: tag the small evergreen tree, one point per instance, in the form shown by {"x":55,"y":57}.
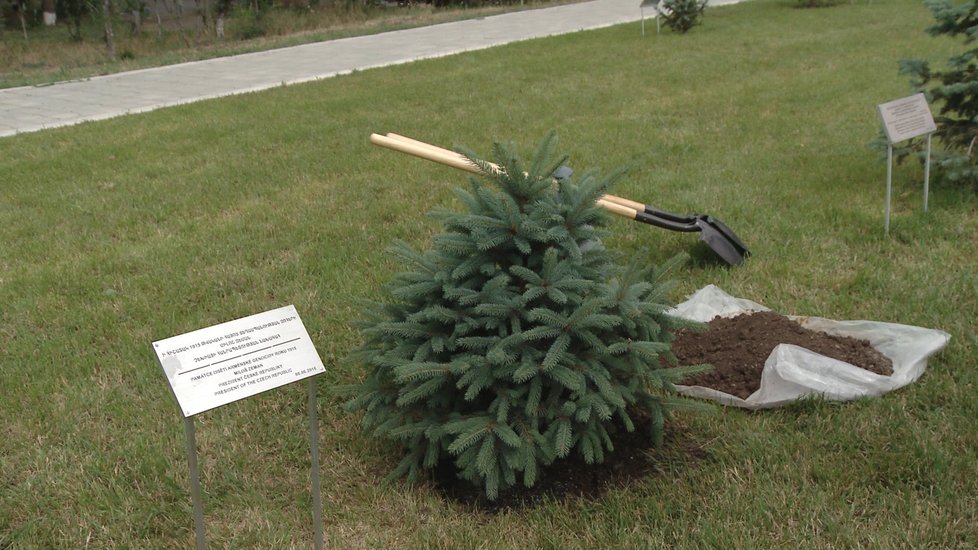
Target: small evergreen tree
{"x":682,"y":15}
{"x":515,"y":339}
{"x":955,"y":89}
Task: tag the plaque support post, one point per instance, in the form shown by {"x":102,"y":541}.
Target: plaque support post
{"x":889,"y":181}
{"x":317,"y":497}
{"x":188,"y":423}
{"x":927,"y":172}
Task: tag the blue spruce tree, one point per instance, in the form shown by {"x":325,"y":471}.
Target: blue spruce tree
{"x":516,"y":339}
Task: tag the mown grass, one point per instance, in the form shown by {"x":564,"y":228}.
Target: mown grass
{"x":126,"y":231}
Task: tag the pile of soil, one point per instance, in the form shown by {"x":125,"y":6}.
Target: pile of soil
{"x":737,"y":347}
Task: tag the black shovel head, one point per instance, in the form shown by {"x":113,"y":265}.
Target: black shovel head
{"x":722,"y":240}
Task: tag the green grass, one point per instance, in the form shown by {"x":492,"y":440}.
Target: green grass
{"x":121,"y":232}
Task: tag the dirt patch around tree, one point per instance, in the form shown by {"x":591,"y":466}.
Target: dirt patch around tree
{"x":737,"y":347}
{"x":634,"y":458}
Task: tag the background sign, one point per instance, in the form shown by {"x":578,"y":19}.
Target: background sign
{"x":216,"y":365}
{"x":906,"y":118}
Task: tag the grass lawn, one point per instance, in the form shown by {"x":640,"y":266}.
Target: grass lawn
{"x":118,"y":233}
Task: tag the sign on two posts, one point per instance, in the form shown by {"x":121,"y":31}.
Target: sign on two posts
{"x":220,"y":364}
{"x":904,"y":119}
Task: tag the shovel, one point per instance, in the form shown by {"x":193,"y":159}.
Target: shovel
{"x":720,"y":238}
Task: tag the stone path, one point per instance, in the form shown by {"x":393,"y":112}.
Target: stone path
{"x":33,"y":108}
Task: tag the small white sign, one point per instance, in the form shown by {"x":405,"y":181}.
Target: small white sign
{"x":906,"y":118}
{"x":223,"y":363}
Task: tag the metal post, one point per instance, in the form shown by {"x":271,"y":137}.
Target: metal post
{"x":317,"y":497}
{"x":927,"y":173}
{"x":889,"y":176}
{"x":188,"y":423}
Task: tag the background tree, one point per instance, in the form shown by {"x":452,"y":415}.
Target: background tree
{"x":107,"y":11}
{"x":75,"y":10}
{"x":22,"y":9}
{"x":134,"y":8}
{"x":955,"y":90}
{"x":50,"y":11}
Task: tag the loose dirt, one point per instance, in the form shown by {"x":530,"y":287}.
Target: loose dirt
{"x":737,"y":347}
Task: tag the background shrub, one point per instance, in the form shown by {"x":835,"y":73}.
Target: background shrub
{"x":682,"y":15}
{"x":955,"y":90}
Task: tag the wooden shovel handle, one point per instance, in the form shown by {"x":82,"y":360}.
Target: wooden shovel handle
{"x":425,"y":151}
{"x":618,"y":209}
{"x":622,"y":201}
{"x":616,"y":205}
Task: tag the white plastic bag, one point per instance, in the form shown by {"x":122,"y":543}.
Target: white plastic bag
{"x":791,"y":372}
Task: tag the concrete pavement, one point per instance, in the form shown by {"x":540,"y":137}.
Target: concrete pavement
{"x":33,"y":108}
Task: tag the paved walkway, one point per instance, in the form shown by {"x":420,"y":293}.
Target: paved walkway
{"x":33,"y":108}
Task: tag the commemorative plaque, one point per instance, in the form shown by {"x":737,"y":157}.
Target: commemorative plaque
{"x":223,"y":363}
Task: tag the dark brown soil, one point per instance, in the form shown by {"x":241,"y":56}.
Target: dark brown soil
{"x":633,"y":458}
{"x":737,"y":347}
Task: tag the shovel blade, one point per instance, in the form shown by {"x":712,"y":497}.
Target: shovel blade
{"x":722,"y":240}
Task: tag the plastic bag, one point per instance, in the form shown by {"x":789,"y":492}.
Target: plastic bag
{"x":791,"y":372}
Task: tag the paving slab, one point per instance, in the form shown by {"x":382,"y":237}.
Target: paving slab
{"x":35,"y":108}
